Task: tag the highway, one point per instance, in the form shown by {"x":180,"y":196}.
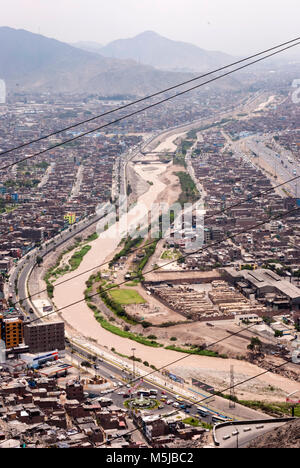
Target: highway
{"x":238,"y":436}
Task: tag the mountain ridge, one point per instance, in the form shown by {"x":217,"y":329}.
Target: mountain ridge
{"x":160,"y":52}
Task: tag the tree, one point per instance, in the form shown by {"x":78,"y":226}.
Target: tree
{"x":39,"y":260}
{"x":255,"y":344}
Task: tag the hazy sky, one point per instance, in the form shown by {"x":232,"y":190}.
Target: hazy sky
{"x":234,"y":26}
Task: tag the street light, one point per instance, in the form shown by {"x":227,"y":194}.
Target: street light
{"x":133,"y":363}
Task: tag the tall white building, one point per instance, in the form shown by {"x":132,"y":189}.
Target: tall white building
{"x":2,"y":92}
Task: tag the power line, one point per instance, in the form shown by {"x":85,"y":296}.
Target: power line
{"x":146,"y":97}
{"x":210,"y":396}
{"x":223,"y":210}
{"x":143,"y":109}
{"x":202,"y":399}
{"x":168,"y":263}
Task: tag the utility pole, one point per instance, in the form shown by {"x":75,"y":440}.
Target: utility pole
{"x":232,"y":393}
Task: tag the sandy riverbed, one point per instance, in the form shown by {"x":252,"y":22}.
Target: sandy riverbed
{"x":81,"y":318}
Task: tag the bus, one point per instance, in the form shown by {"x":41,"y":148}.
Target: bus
{"x":202,"y":411}
{"x":219,"y":419}
{"x":153,"y":391}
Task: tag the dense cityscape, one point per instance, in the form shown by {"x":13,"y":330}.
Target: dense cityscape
{"x":174,"y":324}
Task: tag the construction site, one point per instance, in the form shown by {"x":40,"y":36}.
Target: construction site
{"x":212,"y":301}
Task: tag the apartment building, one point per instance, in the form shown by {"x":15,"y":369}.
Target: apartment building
{"x":11,"y":330}
{"x":43,"y":337}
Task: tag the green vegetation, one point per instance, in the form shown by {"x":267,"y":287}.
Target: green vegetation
{"x":92,"y":237}
{"x":199,"y":352}
{"x":278,"y":409}
{"x":189,"y":193}
{"x":148,"y":252}
{"x":55,"y":272}
{"x":42,"y":165}
{"x":170,"y":254}
{"x":126,"y":296}
{"x":115,"y":306}
{"x":77,"y":258}
{"x":255,"y":344}
{"x":179,"y":159}
{"x":6,"y":206}
{"x":185,"y":146}
{"x":25,"y":182}
{"x":196,"y":423}
{"x":117,"y":331}
{"x":129,"y":244}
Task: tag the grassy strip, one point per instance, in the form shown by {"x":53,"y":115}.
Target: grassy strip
{"x":189,"y":190}
{"x":92,"y":237}
{"x":77,"y":258}
{"x":117,"y":331}
{"x":197,"y":351}
{"x":196,"y":423}
{"x":148,"y":252}
{"x":279,"y":409}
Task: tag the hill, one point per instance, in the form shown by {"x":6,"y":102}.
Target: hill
{"x":286,"y":436}
{"x":31,"y":62}
{"x":152,"y":49}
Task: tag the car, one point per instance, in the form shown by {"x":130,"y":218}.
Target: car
{"x":126,"y":395}
{"x":163,"y":393}
{"x":187,"y":411}
{"x":121,"y":393}
{"x":183,"y":406}
{"x":176,"y":405}
{"x":128,"y":386}
{"x":169,"y":402}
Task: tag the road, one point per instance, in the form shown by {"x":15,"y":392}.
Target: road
{"x":22,"y":269}
{"x":281,"y":163}
{"x":120,"y":378}
{"x":238,"y":436}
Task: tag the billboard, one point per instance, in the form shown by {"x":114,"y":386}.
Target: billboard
{"x":203,"y":386}
{"x":70,"y":217}
{"x":174,"y":377}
